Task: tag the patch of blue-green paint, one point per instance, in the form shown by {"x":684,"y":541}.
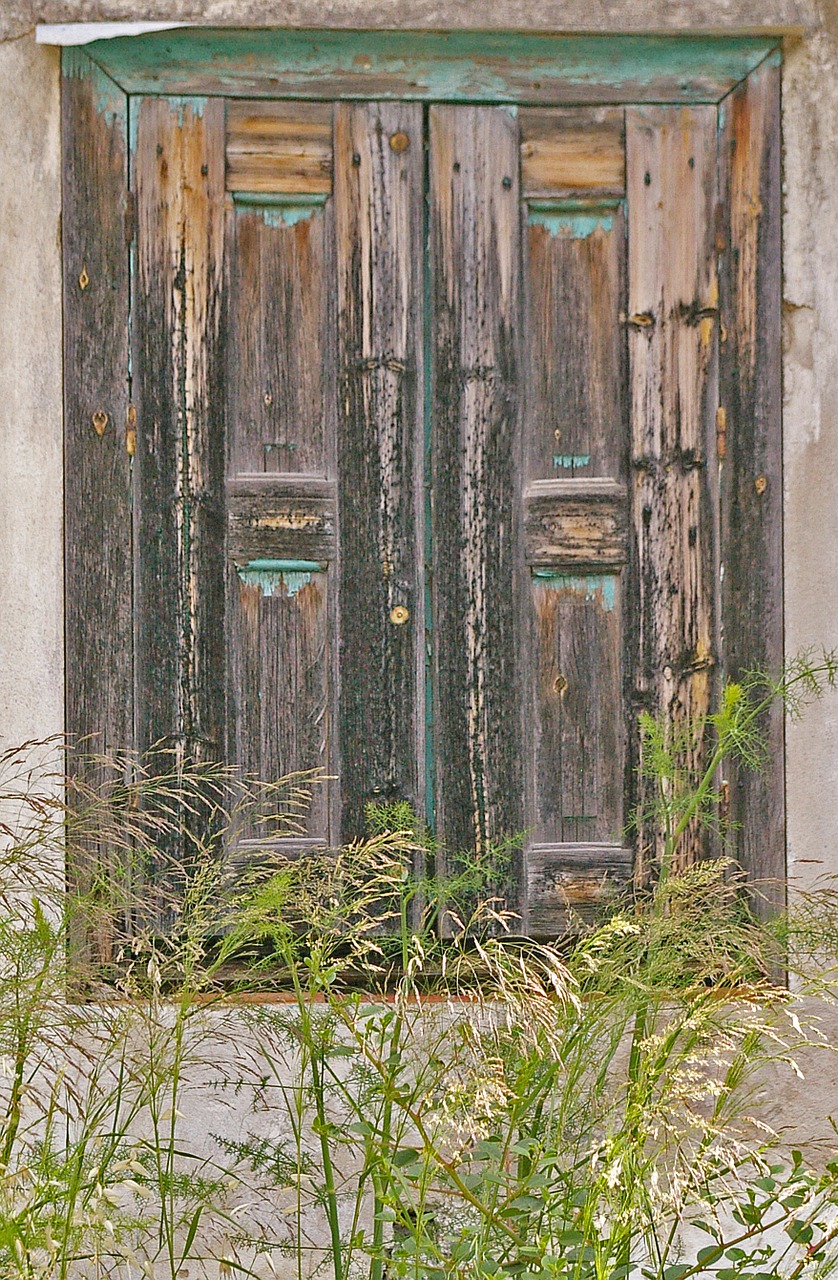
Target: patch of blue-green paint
{"x":278,"y":209}
{"x":269,"y":575}
{"x":109,"y":100}
{"x":457,"y":66}
{"x":601,"y":587}
{"x":182,"y":104}
{"x":573,"y":219}
{"x":570,"y":461}
{"x":575,"y":226}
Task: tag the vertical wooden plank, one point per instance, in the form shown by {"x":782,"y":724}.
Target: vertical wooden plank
{"x":378,"y":174}
{"x":178,"y":174}
{"x":751,"y":461}
{"x":97,"y":466}
{"x":475,"y":245}
{"x":673,"y":348}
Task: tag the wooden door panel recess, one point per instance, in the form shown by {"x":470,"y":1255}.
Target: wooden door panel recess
{"x":441,"y":425}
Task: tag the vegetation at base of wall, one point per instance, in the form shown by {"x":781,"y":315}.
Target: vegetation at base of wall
{"x":425,"y":1093}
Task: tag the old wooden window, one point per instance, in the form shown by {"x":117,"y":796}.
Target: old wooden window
{"x":422,"y":420}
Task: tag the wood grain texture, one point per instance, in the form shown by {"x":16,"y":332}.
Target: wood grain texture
{"x":282,"y":521}
{"x":477,"y":562}
{"x":280,"y":684}
{"x":178,"y":173}
{"x":579,"y":732}
{"x":752,"y":480}
{"x":572,"y":153}
{"x":379,"y":246}
{"x":279,"y":146}
{"x":280,"y":396}
{"x":673,"y":346}
{"x":97,"y":467}
{"x":576,"y":523}
{"x":568,"y":884}
{"x":576,"y":346}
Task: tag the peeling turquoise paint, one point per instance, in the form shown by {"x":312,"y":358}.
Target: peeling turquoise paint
{"x":184,"y":104}
{"x":600,"y":587}
{"x":575,"y":226}
{"x":269,"y":575}
{"x":279,"y":210}
{"x":108,"y":98}
{"x":570,"y":461}
{"x":455,"y":66}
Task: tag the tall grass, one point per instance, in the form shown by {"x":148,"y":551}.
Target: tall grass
{"x":284,"y":1068}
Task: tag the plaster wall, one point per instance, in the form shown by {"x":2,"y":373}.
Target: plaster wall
{"x":31,"y":604}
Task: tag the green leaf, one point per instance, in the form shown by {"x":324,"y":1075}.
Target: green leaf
{"x":676,"y":1271}
{"x":710,"y":1253}
{"x":193,"y":1228}
{"x":405,"y":1156}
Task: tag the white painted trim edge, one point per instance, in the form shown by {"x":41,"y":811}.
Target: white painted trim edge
{"x":73,"y":33}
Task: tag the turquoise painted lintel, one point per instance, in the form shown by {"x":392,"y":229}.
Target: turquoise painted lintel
{"x":504,"y":67}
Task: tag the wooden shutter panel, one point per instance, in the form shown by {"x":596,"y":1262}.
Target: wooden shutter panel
{"x":597,"y":306}
{"x":575,"y":513}
{"x":280,"y":492}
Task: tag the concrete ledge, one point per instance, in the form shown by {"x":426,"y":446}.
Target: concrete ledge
{"x":773,"y":17}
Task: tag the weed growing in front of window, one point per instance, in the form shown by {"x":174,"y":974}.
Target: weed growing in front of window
{"x":425,"y":1093}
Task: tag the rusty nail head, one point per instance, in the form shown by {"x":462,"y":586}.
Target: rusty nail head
{"x":399,"y":141}
{"x":399,"y":615}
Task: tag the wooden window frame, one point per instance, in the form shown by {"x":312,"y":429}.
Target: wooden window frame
{"x":739,"y":76}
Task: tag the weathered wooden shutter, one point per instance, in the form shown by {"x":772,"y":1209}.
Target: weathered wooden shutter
{"x":431,"y":461}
